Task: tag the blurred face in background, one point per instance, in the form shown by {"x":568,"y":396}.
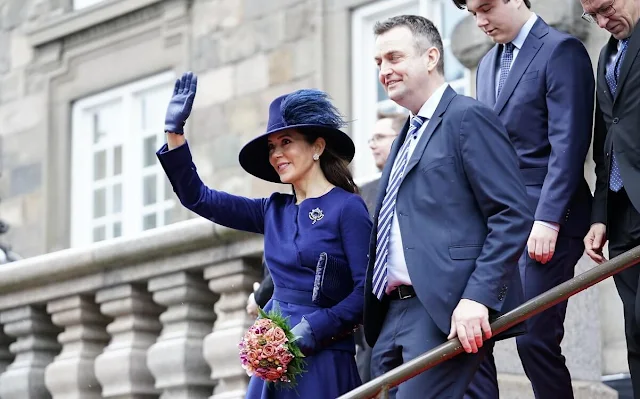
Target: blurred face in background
{"x":381,"y":141}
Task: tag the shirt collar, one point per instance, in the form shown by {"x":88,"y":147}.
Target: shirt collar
{"x":429,"y":107}
{"x":524,"y":31}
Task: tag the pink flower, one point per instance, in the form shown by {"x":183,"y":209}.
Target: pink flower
{"x":268,"y":350}
{"x":272,"y":375}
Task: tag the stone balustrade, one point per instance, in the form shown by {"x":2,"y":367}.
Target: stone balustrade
{"x":155,"y":316}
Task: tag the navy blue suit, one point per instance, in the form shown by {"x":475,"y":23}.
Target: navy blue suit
{"x":463,"y":217}
{"x":546,"y":105}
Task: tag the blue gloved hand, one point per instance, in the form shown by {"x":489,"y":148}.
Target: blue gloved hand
{"x":305,"y":339}
{"x":180,"y":104}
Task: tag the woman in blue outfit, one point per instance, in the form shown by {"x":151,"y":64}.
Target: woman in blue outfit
{"x":303,"y":146}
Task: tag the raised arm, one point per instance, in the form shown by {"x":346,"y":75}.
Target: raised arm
{"x":175,"y":157}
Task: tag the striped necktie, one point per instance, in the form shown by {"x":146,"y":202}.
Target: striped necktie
{"x":387,"y":211}
{"x":611,"y":76}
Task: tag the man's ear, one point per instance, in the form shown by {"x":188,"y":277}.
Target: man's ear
{"x":432,"y":57}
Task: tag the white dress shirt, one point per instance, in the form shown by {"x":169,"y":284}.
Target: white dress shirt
{"x":397,"y":272}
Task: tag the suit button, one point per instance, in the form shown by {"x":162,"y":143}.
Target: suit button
{"x":616,"y":120}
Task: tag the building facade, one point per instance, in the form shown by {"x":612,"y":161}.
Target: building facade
{"x":84,"y":85}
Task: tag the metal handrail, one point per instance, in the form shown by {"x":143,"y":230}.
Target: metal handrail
{"x":451,"y":348}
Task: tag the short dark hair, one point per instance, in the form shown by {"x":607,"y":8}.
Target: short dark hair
{"x":462,"y":4}
{"x":425,"y":33}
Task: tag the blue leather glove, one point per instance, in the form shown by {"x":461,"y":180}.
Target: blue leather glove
{"x":304,"y":337}
{"x":180,"y":104}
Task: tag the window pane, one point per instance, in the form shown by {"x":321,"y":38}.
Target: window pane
{"x":117,"y":198}
{"x":117,"y":160}
{"x":453,"y":70}
{"x":117,"y":229}
{"x":170,"y":215}
{"x":99,"y":165}
{"x":149,"y":221}
{"x":168,"y":189}
{"x":149,"y":190}
{"x":451,"y":17}
{"x":149,"y":155}
{"x":152,"y":105}
{"x":99,"y":203}
{"x":99,"y":233}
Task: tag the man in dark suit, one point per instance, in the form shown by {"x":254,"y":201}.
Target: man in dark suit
{"x":540,"y":83}
{"x":616,"y":152}
{"x":450,"y":223}
{"x":385,"y":131}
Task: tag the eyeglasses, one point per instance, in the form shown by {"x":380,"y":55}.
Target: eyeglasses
{"x":376,"y":138}
{"x":605,"y":11}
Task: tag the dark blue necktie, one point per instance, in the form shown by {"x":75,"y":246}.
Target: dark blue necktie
{"x":612,"y":76}
{"x":505,"y":65}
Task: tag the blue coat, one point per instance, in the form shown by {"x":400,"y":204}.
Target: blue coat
{"x":547,"y":107}
{"x":292,"y":245}
{"x":463,"y":215}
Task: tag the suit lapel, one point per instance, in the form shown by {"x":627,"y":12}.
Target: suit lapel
{"x":432,"y":124}
{"x":629,"y":57}
{"x":603,"y":87}
{"x":488,"y":92}
{"x":530,"y":48}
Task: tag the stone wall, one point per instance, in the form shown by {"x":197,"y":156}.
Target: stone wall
{"x":245,"y":52}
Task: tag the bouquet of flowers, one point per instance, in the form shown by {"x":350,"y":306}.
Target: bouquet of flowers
{"x":268,"y":350}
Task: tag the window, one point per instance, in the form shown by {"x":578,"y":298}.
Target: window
{"x":79,"y":4}
{"x":118,"y":187}
{"x":368,"y":94}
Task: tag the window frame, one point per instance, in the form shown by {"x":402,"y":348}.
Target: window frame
{"x":82,"y":168}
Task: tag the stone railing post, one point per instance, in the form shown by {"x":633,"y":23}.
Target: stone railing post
{"x":71,"y":375}
{"x":5,"y":356}
{"x":233,"y":280}
{"x":122,"y":368}
{"x":34,"y":349}
{"x":176,"y":359}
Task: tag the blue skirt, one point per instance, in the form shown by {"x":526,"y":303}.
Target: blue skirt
{"x":329,"y":372}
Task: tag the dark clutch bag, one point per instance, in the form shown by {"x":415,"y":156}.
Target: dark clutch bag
{"x":333,"y":281}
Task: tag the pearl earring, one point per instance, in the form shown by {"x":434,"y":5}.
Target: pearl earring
{"x":316,"y":157}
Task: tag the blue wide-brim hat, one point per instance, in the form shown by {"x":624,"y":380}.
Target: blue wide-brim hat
{"x":307,"y":111}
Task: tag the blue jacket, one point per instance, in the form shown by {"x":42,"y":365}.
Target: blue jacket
{"x":463,"y":214}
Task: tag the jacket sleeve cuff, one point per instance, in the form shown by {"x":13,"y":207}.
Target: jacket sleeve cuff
{"x":179,"y":156}
{"x":553,"y":226}
{"x":486,"y":297}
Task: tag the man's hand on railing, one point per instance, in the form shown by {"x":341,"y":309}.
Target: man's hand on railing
{"x":594,"y":242}
{"x":469,"y":320}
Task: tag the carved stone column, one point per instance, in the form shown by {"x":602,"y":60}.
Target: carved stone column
{"x":71,"y":375}
{"x":122,"y":368}
{"x":176,"y":359}
{"x":5,"y":356}
{"x":233,"y":281}
{"x":34,"y":349}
